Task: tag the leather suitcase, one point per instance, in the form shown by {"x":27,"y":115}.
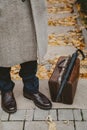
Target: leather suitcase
{"x":68,"y":92}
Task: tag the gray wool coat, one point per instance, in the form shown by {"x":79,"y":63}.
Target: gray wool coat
{"x":23,"y":31}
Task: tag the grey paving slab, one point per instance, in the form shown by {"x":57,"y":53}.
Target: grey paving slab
{"x":81,"y":125}
{"x":65,"y":114}
{"x":84,"y":112}
{"x":59,"y":29}
{"x":19,"y":115}
{"x":44,"y":126}
{"x":59,"y":15}
{"x":53,"y":114}
{"x":77,"y":114}
{"x":12,"y":126}
{"x":56,"y":51}
{"x":65,"y":126}
{"x":29,"y":115}
{"x":62,"y":4}
{"x":4,"y":116}
{"x":36,"y":125}
{"x":40,"y":114}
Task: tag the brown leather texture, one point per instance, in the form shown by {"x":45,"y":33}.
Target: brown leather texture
{"x":68,"y":93}
{"x":39,"y":99}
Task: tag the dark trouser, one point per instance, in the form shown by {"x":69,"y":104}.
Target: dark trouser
{"x":27,"y":73}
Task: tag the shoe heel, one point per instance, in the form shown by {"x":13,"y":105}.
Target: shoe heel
{"x":26,"y":96}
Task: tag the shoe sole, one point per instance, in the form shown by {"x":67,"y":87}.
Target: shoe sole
{"x":10,"y":112}
{"x":41,"y":107}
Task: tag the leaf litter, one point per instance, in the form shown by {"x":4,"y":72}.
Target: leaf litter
{"x":51,"y":123}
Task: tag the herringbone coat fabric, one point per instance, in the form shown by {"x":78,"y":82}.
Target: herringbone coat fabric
{"x":23,"y":31}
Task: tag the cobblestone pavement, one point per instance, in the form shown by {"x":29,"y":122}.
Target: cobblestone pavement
{"x":65,"y":119}
{"x":31,"y":119}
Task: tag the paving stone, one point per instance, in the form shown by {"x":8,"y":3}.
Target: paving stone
{"x":44,"y":126}
{"x":12,"y":126}
{"x":62,"y":4}
{"x":19,"y":115}
{"x":81,"y":125}
{"x":59,"y":29}
{"x":36,"y":125}
{"x":53,"y":114}
{"x":65,"y":126}
{"x":65,"y":114}
{"x":4,"y":116}
{"x":29,"y":115}
{"x":59,"y":15}
{"x":84,"y":114}
{"x":40,"y":114}
{"x":58,"y":51}
{"x":77,"y":115}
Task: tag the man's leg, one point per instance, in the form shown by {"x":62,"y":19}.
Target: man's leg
{"x":28,"y":73}
{"x":31,"y":85}
{"x":8,"y":102}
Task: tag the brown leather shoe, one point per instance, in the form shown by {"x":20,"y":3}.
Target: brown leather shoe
{"x":8,"y":102}
{"x":39,"y":99}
